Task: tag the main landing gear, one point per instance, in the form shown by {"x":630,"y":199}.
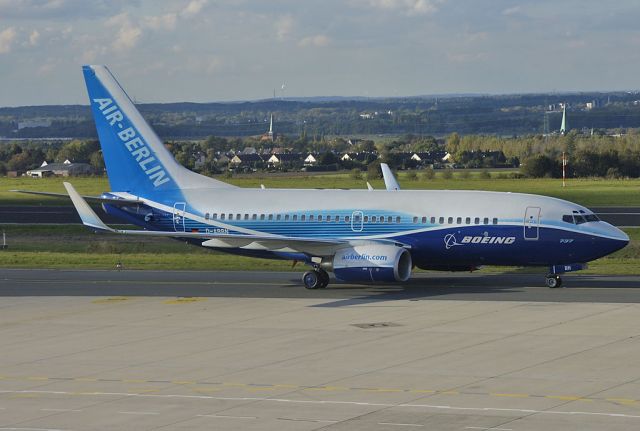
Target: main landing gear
{"x":316,"y":279}
{"x":553,"y":281}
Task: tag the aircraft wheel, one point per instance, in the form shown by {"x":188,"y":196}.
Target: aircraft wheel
{"x":324,"y":278}
{"x":311,"y":280}
{"x":553,"y":281}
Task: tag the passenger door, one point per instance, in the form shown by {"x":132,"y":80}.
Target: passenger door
{"x":356,"y":221}
{"x":178,"y":216}
{"x":532,"y":223}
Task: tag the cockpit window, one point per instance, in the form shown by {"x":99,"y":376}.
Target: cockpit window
{"x":577,"y":218}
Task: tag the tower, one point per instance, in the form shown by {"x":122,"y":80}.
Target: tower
{"x":270,"y":132}
{"x":563,"y":126}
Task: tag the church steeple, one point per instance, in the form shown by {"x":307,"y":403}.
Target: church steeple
{"x":563,"y":126}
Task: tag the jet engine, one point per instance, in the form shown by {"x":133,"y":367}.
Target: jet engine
{"x":372,"y":262}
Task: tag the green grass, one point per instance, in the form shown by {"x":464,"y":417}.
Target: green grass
{"x":588,"y":192}
{"x":72,"y":247}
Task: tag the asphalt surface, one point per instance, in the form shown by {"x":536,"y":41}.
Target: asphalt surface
{"x":617,"y":216}
{"x":102,"y":350}
{"x":247,"y":284}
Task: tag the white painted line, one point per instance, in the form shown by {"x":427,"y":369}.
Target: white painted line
{"x":399,"y":425}
{"x":33,"y":429}
{"x":139,"y":413}
{"x":485,"y":428}
{"x":226,"y":417}
{"x":308,"y":420}
{"x":60,"y":410}
{"x":326,"y":402}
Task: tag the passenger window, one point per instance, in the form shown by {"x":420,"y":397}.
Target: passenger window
{"x":346,"y":219}
{"x":467,"y":220}
{"x":450,"y":220}
{"x":261,"y":216}
{"x":459,"y":220}
{"x":214,"y":216}
{"x":238,"y":216}
{"x":415,"y":219}
{"x":230,"y":216}
{"x":433,"y":220}
{"x":221,"y":216}
{"x":278,"y":217}
{"x":246,"y":216}
{"x":397,"y":219}
{"x":319,"y":218}
{"x":366,"y":219}
{"x":295,"y":217}
{"x":254,"y":216}
{"x":495,"y":221}
{"x":303,"y":217}
{"x":486,"y":220}
{"x":270,"y":217}
{"x":441,"y":220}
{"x":311,"y":217}
{"x":477,"y":220}
{"x":286,"y":217}
{"x":206,"y":216}
{"x":374,"y":219}
{"x":389,"y":219}
{"x":424,"y":220}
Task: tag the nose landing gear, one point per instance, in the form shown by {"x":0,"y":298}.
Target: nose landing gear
{"x":553,"y":281}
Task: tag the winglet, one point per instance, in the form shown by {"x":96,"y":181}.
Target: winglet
{"x":389,"y":180}
{"x":88,"y":216}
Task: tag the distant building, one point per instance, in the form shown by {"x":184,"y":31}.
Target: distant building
{"x":33,"y":123}
{"x":66,"y":169}
{"x":269,"y":136}
{"x":310,"y":160}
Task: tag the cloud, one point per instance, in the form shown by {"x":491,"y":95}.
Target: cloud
{"x":7,"y":36}
{"x":319,"y":40}
{"x":60,"y":9}
{"x":283,"y":27}
{"x":128,"y":33}
{"x":160,"y":22}
{"x":34,"y":37}
{"x":515,"y":10}
{"x":193,"y":8}
{"x":408,"y":7}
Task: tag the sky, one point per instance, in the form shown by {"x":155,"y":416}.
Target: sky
{"x":222,"y":50}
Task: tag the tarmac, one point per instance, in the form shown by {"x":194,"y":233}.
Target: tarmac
{"x":134,"y":350}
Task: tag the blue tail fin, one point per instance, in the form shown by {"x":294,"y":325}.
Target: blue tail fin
{"x":136,"y":159}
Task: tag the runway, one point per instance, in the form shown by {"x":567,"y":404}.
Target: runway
{"x":95,"y":350}
{"x":250,"y":284}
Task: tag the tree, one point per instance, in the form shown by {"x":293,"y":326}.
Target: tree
{"x":541,"y":166}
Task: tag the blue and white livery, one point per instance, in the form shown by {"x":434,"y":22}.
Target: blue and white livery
{"x":359,"y":235}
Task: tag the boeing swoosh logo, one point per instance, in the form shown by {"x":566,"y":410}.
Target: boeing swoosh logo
{"x":450,"y":241}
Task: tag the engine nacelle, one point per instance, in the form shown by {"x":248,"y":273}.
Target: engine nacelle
{"x":372,"y":262}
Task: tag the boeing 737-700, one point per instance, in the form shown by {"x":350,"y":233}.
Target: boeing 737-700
{"x":361,"y":236}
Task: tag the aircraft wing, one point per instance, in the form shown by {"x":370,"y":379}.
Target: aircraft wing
{"x":310,"y":246}
{"x":96,"y":199}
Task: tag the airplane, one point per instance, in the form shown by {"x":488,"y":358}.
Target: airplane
{"x":361,"y":236}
